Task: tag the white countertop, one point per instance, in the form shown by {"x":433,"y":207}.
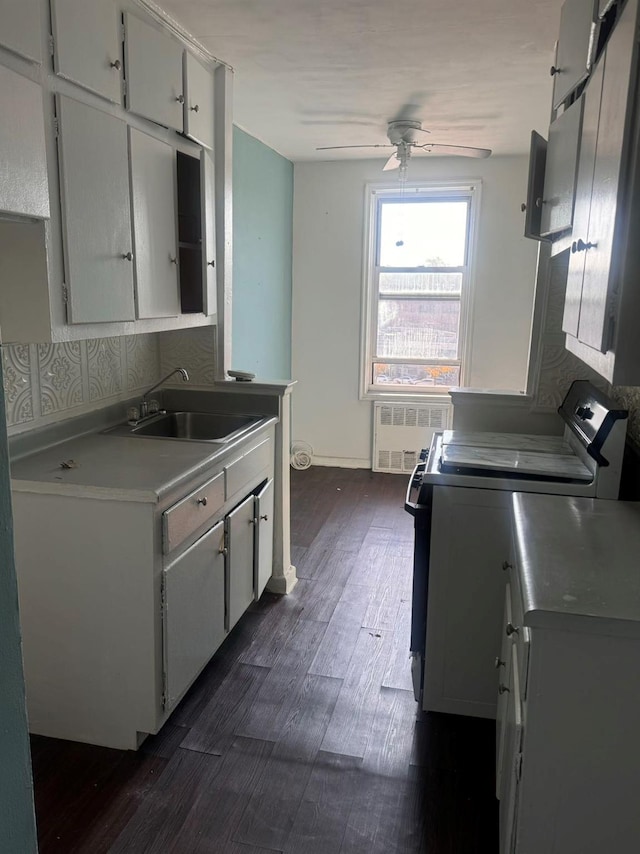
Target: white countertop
{"x":578,"y":563}
{"x":119,"y":467}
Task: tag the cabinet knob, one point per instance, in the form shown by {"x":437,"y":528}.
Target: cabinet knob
{"x":173,"y":259}
{"x":502,"y":689}
{"x":574,"y":247}
{"x":127,"y":256}
{"x":523,"y":207}
{"x":554,"y":70}
{"x":506,"y":565}
{"x":265,"y":517}
{"x":202,"y":501}
{"x":499,"y":663}
{"x":582,"y":246}
{"x":511,"y":630}
{"x":253,"y":521}
{"x":195,"y":108}
{"x":180,"y":99}
{"x":116,"y":64}
{"x":211,"y":263}
{"x":223,"y":551}
{"x":539,"y":203}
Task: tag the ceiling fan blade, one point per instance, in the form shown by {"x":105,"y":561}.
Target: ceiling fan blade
{"x":331,"y":147}
{"x":455,"y":150}
{"x":392,"y":163}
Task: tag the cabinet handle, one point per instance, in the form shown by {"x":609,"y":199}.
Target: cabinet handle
{"x":499,"y":663}
{"x":180,"y":99}
{"x":502,"y":689}
{"x":195,"y":108}
{"x":223,"y":551}
{"x":202,"y":501}
{"x":554,"y":70}
{"x":116,"y":64}
{"x":506,"y":565}
{"x":511,"y":630}
{"x":211,"y":263}
{"x":127,"y":256}
{"x":265,"y":517}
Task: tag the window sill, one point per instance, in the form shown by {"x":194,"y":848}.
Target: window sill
{"x":402,"y":396}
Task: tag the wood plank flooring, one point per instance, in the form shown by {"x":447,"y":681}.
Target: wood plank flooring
{"x":301,"y":735}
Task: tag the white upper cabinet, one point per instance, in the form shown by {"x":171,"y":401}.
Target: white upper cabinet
{"x":153,"y":198}
{"x":576,"y":47}
{"x":560,"y":170}
{"x":20,"y":31}
{"x":153,"y":68}
{"x":96,"y":214}
{"x":602,"y":303}
{"x":198,"y":101}
{"x":87,"y":45}
{"x":24,"y":187}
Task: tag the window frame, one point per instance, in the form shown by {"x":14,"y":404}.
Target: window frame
{"x":442,"y":190}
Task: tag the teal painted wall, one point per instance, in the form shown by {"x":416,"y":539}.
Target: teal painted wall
{"x":17,"y":822}
{"x":262,"y":247}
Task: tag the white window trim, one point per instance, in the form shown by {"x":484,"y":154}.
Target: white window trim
{"x":368,"y":300}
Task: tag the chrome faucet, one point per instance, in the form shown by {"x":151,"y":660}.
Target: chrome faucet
{"x":144,"y":403}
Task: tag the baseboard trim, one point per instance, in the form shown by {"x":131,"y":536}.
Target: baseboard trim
{"x":341,"y":462}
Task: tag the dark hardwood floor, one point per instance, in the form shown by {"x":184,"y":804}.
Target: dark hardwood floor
{"x":302,"y":734}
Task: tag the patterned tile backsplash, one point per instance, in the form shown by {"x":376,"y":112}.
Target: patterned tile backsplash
{"x":193,"y":349}
{"x":48,"y":382}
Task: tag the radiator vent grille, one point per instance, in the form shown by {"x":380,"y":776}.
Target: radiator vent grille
{"x":400,"y":432}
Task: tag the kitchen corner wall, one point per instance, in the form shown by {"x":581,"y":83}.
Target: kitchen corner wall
{"x":44,"y":383}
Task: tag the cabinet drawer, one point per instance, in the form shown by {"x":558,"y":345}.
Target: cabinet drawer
{"x":243,"y":470}
{"x":193,"y":511}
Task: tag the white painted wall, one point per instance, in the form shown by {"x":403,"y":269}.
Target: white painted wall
{"x":328,"y":235}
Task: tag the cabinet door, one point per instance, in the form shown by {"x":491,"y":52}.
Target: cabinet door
{"x":210,"y":296}
{"x":535,"y":186}
{"x":24,"y":187}
{"x":96,"y":214}
{"x":263,"y":560}
{"x":561,"y":170}
{"x":153,"y":63}
{"x":240,"y":590}
{"x":21,"y":30}
{"x":576,"y":47}
{"x":198,"y":101}
{"x":512,"y":757}
{"x":87,"y":45}
{"x":588,"y":140}
{"x":153,"y":198}
{"x":193,"y":611}
{"x":607,"y":190}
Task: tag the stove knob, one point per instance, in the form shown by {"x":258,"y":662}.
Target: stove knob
{"x":584,"y":412}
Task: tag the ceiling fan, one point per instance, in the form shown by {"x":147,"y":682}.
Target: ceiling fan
{"x":403,"y":135}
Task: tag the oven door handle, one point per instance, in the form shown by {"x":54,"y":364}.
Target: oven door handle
{"x":411,"y":506}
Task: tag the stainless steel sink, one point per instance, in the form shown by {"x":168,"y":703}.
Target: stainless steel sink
{"x":195,"y":426}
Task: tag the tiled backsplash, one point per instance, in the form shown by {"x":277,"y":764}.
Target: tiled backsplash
{"x":193,"y":349}
{"x":48,"y":382}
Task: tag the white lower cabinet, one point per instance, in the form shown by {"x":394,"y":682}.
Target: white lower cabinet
{"x":263,"y":543}
{"x":126,"y":599}
{"x":465,"y":599}
{"x":193,"y":603}
{"x":239,"y":531}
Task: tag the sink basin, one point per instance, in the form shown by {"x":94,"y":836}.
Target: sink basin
{"x":196,"y":426}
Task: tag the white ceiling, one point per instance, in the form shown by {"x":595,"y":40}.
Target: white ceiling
{"x":333,"y":72}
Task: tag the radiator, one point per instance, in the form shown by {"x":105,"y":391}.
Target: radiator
{"x":401,"y":431}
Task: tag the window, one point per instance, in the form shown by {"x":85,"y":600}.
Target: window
{"x":417,"y":288}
